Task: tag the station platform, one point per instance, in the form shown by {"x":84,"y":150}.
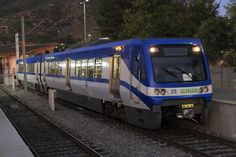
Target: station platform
{"x":11,"y":144}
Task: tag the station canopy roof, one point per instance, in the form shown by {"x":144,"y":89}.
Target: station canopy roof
{"x":31,"y":48}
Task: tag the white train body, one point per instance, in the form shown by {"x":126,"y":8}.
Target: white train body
{"x":112,"y":81}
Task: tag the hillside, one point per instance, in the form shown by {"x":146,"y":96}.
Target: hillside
{"x":47,"y":20}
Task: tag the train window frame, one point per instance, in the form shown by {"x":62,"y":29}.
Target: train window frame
{"x":90,"y":68}
{"x":60,"y":65}
{"x":84,"y":70}
{"x":78,"y":68}
{"x":98,"y":68}
{"x":36,"y":68}
{"x":50,"y":67}
{"x":20,"y":68}
{"x":190,"y":54}
{"x":55,"y":68}
{"x":30,"y":68}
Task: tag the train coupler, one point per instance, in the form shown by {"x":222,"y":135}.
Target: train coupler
{"x":186,"y":111}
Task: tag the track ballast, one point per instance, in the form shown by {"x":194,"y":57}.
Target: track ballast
{"x":44,"y":138}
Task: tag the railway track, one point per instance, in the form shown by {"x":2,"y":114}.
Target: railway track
{"x":192,"y":141}
{"x":45,"y":138}
{"x":197,"y":143}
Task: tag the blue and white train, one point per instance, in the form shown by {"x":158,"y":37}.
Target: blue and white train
{"x":138,"y":80}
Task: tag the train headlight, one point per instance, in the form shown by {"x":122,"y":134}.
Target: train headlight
{"x":163,"y":92}
{"x":205,"y":89}
{"x":119,"y":48}
{"x":153,"y":49}
{"x":157,"y":91}
{"x":200,"y":90}
{"x":196,"y":49}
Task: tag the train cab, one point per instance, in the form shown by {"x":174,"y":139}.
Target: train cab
{"x":179,"y":77}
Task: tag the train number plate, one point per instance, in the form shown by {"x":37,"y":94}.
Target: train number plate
{"x":185,"y":106}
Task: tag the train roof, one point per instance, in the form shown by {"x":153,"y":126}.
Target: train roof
{"x":107,"y":49}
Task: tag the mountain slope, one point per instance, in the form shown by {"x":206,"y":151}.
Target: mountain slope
{"x":47,"y":20}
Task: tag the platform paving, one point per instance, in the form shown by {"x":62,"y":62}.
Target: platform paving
{"x":11,"y":144}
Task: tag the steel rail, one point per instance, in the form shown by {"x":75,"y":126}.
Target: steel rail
{"x":84,"y":146}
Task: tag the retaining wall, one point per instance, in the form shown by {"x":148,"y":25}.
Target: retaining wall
{"x":222,"y":120}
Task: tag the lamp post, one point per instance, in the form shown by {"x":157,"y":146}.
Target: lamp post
{"x":23,"y":52}
{"x":85,"y":27}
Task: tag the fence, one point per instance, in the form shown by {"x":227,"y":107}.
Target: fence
{"x":223,"y":77}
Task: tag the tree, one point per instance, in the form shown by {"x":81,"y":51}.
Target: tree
{"x":169,"y":18}
{"x":110,"y":17}
{"x":215,"y":34}
{"x":155,"y":18}
{"x":230,"y":58}
{"x":231,"y":14}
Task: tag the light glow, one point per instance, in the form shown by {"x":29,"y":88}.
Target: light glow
{"x":50,"y":58}
{"x":196,"y":49}
{"x":62,"y":64}
{"x":119,"y":48}
{"x":153,"y":49}
{"x":72,"y":65}
{"x":105,"y":64}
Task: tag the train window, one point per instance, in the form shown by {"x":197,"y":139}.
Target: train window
{"x":91,"y":63}
{"x":55,"y":68}
{"x":30,"y":68}
{"x":51,"y":68}
{"x":98,"y":70}
{"x":143,"y":70}
{"x":36,"y":68}
{"x":78,"y":68}
{"x":119,"y":63}
{"x":84,"y":68}
{"x":116,"y":68}
{"x":114,"y":73}
{"x":59,"y":67}
{"x":21,"y":68}
{"x":135,"y":66}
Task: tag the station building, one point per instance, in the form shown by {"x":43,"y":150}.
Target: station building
{"x":8,"y":58}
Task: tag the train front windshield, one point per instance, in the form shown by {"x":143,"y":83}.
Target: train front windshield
{"x":177,"y":64}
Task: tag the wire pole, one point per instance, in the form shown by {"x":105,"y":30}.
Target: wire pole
{"x":23,"y":51}
{"x":85,"y":29}
{"x":85,"y":26}
{"x":17,"y":45}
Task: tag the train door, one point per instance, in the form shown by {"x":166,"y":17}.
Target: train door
{"x":68,"y":73}
{"x":44,"y":72}
{"x":115,"y":76}
{"x":135,"y":76}
{"x":36,"y":72}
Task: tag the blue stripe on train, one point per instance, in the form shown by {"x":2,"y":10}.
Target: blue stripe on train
{"x":150,"y":101}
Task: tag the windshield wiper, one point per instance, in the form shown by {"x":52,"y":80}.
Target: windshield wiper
{"x":184,"y":72}
{"x":170,"y":73}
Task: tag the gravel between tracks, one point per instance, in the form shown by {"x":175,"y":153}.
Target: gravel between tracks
{"x":116,"y":137}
